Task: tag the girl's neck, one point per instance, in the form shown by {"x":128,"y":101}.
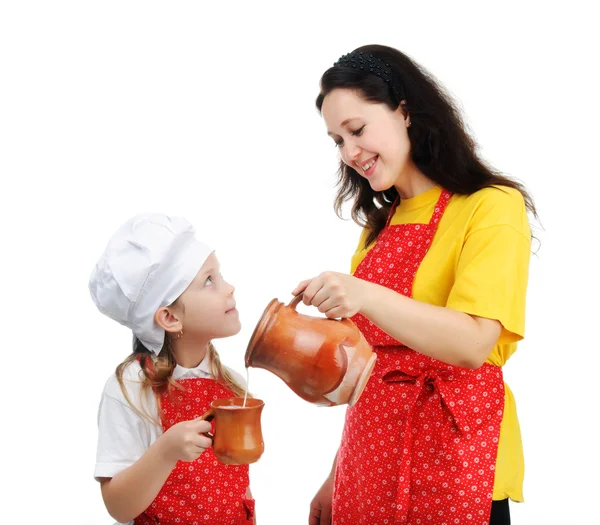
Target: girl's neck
{"x":188,"y":353}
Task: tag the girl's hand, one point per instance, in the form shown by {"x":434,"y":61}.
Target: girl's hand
{"x":334,"y":294}
{"x":185,"y":440}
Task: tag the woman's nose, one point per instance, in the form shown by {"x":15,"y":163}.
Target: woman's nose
{"x":350,"y":153}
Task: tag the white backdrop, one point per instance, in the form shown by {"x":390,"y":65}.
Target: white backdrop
{"x":206,"y":109}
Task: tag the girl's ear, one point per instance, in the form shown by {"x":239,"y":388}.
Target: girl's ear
{"x":168,"y":320}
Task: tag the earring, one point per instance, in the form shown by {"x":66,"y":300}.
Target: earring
{"x":408,"y":123}
{"x":180,"y":334}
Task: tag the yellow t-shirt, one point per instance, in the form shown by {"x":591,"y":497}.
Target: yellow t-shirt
{"x":478,"y":263}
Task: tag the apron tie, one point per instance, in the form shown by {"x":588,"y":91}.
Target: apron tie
{"x":438,"y":382}
{"x":428,"y":382}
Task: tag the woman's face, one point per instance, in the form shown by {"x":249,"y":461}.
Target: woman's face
{"x":372,"y":138}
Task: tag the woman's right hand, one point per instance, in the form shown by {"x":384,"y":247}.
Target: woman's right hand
{"x":320,"y":506}
{"x":185,"y":441}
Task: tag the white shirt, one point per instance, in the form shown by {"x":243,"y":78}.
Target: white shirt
{"x":123,"y":435}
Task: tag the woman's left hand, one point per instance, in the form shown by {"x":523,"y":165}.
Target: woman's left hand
{"x":334,"y":294}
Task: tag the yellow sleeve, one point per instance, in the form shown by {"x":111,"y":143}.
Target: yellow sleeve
{"x":360,"y":251}
{"x":492,"y":274}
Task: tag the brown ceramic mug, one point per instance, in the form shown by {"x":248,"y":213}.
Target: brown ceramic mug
{"x":237,"y":439}
{"x":325,"y":361}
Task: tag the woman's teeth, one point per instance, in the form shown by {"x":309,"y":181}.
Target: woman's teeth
{"x":369,"y":164}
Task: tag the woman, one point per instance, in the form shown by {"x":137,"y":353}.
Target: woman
{"x":438,"y":288}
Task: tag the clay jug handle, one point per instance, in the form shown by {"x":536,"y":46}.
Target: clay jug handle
{"x":296,"y":300}
{"x":208,"y":416}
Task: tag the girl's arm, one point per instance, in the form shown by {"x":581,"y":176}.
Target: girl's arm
{"x":132,"y":490}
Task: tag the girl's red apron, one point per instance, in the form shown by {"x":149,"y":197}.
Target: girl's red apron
{"x":203,"y":491}
{"x":420,"y":445}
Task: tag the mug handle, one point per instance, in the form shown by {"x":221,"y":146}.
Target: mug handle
{"x":208,"y":416}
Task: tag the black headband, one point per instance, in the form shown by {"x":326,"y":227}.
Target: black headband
{"x":371,"y":64}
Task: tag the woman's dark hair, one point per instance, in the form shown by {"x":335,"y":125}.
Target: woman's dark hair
{"x":440,"y":145}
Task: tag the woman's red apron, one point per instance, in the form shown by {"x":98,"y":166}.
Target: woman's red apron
{"x":420,"y":445}
{"x":203,"y":491}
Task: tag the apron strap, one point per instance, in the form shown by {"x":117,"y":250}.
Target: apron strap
{"x":392,"y":210}
{"x":440,"y":207}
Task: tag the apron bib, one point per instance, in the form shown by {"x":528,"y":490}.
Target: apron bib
{"x":203,"y":491}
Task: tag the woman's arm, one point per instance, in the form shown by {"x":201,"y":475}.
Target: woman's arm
{"x":454,"y":337}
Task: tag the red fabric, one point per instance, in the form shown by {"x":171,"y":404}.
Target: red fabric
{"x":420,"y":445}
{"x":202,"y":491}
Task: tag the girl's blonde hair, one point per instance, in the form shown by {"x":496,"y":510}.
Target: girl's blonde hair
{"x":158,"y":375}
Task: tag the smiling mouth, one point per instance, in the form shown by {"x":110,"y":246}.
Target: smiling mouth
{"x":368,"y":165}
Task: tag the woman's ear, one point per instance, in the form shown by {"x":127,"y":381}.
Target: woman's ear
{"x":404,"y":110}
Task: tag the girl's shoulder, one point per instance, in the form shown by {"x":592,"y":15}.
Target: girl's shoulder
{"x":130,"y":392}
{"x":240,"y":380}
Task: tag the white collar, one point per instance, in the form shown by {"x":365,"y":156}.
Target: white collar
{"x":202,"y":370}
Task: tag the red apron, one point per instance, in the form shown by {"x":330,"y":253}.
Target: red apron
{"x":420,"y":445}
{"x":203,"y":491}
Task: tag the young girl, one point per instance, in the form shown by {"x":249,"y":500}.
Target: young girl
{"x":154,"y":461}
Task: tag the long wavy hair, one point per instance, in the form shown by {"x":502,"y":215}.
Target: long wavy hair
{"x":441,"y":147}
{"x":157,"y":371}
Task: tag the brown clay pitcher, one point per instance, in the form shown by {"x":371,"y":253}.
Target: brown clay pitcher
{"x":325,"y":361}
{"x":237,"y":439}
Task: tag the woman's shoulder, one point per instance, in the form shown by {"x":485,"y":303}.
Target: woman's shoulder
{"x":494,"y":206}
{"x":503,"y":196}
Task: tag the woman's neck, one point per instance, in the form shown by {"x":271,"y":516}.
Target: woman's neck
{"x":412,"y":182}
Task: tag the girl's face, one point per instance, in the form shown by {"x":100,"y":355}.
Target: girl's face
{"x":207,"y":307}
{"x":372,"y":138}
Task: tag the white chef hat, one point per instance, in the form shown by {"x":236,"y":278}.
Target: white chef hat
{"x":147,"y":264}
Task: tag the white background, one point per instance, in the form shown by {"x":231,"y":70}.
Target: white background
{"x":206,"y":109}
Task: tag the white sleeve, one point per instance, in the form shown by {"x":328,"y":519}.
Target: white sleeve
{"x":123,"y":435}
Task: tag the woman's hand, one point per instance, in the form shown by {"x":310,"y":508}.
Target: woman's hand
{"x":334,"y":294}
{"x":320,"y":506}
